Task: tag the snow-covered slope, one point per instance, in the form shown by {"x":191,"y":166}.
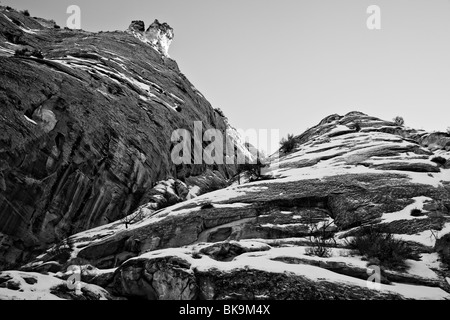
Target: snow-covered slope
{"x":254,"y":240}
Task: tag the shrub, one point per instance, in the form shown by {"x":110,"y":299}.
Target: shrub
{"x":439,"y":160}
{"x":375,"y":244}
{"x":442,"y":247}
{"x":213,"y":185}
{"x":25,"y":52}
{"x":416,"y":212}
{"x":253,"y":169}
{"x":37,"y":53}
{"x":21,"y":52}
{"x":61,"y":251}
{"x":8,"y":8}
{"x":320,"y":237}
{"x":448,"y":130}
{"x":134,"y":217}
{"x":220,"y":112}
{"x":399,"y":121}
{"x":288,"y":144}
{"x":25,"y":13}
{"x":318,"y":251}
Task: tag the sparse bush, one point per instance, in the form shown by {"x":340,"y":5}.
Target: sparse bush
{"x":253,"y":169}
{"x":375,"y":243}
{"x":318,"y":251}
{"x":399,"y":121}
{"x":136,"y":216}
{"x":320,"y":237}
{"x":439,"y":160}
{"x":288,"y":144}
{"x":21,"y":52}
{"x":26,"y":13}
{"x":442,"y":247}
{"x":220,"y":112}
{"x":416,"y":212}
{"x":61,"y":251}
{"x":213,"y":185}
{"x":25,"y":52}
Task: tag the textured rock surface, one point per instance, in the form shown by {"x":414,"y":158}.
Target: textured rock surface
{"x":167,"y":278}
{"x":85,"y":131}
{"x":158,"y":35}
{"x":66,"y":167}
{"x":16,"y":285}
{"x":247,"y":240}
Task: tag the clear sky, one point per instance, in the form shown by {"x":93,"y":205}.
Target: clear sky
{"x":286,"y":64}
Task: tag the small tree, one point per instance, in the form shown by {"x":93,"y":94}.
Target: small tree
{"x":399,"y":121}
{"x":25,"y":13}
{"x":379,"y":243}
{"x":288,"y":144}
{"x":448,"y":130}
{"x":137,"y":216}
{"x":320,"y":237}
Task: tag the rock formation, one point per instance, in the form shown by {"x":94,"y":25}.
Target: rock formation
{"x":85,"y":173}
{"x":158,"y":35}
{"x":254,"y":240}
{"x":86,"y":130}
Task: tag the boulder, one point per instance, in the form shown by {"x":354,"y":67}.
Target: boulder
{"x":165,"y":278}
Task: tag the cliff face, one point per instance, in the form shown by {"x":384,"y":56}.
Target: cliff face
{"x":85,"y":140}
{"x":85,"y":127}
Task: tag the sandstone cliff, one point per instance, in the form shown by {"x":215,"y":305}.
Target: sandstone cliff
{"x":254,"y":240}
{"x":84,"y":142}
{"x":85,"y":126}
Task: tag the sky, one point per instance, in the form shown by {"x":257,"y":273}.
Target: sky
{"x":287,"y":64}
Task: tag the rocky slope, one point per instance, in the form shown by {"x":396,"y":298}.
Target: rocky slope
{"x":85,"y":129}
{"x":254,"y":240}
{"x":86,"y":141}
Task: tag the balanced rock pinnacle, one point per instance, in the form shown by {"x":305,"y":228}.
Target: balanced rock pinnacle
{"x":158,"y":35}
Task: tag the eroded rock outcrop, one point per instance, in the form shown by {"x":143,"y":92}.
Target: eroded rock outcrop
{"x":86,"y":130}
{"x":158,"y":35}
{"x":88,"y":151}
{"x":347,"y":174}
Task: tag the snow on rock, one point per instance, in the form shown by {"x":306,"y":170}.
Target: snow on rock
{"x":405,"y":214}
{"x":16,"y":285}
{"x":339,"y":178}
{"x":158,"y":35}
